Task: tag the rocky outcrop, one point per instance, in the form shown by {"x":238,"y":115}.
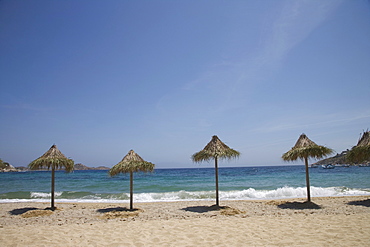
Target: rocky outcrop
{"x":337,"y":159}
{"x":340,"y":159}
{"x":8,"y":168}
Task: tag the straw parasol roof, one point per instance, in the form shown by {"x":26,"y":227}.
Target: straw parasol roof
{"x":360,"y":152}
{"x":132,"y":162}
{"x":53,"y":158}
{"x":304,"y":149}
{"x":215,"y":149}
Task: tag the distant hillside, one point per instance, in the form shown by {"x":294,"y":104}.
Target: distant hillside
{"x":79,"y":167}
{"x":337,"y":159}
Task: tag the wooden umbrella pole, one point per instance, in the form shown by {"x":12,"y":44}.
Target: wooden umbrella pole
{"x":52,"y":186}
{"x":216,"y":174}
{"x":307,"y":180}
{"x":131,"y":189}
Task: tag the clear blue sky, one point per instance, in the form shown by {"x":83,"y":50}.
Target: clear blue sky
{"x":99,"y":78}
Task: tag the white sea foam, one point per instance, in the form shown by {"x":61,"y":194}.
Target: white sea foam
{"x":41,"y":195}
{"x":247,"y":194}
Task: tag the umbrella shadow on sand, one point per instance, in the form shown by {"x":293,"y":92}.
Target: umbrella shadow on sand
{"x":299,"y":205}
{"x":119,"y":212}
{"x":32,"y":212}
{"x":365,"y":203}
{"x":19,"y":211}
{"x":116,"y":209}
{"x":203,"y":209}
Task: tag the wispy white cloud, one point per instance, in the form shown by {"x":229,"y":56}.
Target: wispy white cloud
{"x":294,"y":22}
{"x":231,"y":82}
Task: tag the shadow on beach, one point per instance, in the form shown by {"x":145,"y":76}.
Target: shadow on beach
{"x":19,"y":211}
{"x":203,"y":209}
{"x":119,"y":212}
{"x":365,"y":203}
{"x":299,"y":205}
{"x":116,"y":209}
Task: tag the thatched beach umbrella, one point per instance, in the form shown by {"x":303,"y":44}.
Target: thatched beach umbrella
{"x":215,"y":149}
{"x":131,"y":163}
{"x":55,"y":160}
{"x":360,"y":152}
{"x":304,"y":149}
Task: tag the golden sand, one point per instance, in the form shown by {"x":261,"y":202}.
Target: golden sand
{"x":339,"y":221}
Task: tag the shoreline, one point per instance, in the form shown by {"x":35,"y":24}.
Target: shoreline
{"x":127,"y":201}
{"x":339,"y":220}
{"x":281,"y":193}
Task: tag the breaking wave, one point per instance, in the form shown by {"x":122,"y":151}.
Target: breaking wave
{"x":182,"y":195}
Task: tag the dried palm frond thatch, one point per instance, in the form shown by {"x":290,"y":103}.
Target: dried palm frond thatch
{"x":55,"y":160}
{"x":131,"y":163}
{"x":215,"y":149}
{"x":361,"y":152}
{"x":303,"y":150}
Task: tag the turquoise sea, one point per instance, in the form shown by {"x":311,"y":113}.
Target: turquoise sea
{"x":236,"y":183}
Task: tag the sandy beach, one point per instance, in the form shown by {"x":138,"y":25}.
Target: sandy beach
{"x":340,"y":221}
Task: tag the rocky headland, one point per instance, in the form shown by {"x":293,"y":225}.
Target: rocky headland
{"x":6,"y":167}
